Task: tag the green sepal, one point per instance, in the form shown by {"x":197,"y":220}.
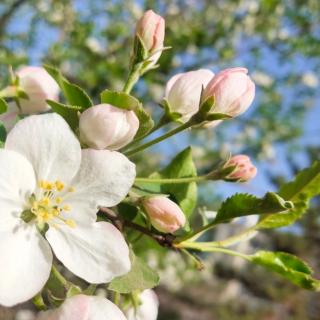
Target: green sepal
{"x":3,"y":106}
{"x":69,"y":113}
{"x":174,"y":116}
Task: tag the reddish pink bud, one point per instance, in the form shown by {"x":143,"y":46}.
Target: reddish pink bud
{"x":106,"y":127}
{"x":165,"y":215}
{"x":233,"y":91}
{"x":151,"y":29}
{"x":244,"y":169}
{"x":39,"y":86}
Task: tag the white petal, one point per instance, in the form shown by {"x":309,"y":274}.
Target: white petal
{"x":96,"y":253}
{"x":49,"y":144}
{"x":104,"y":178}
{"x":184,"y":96}
{"x":148,"y":310}
{"x":83,"y":307}
{"x":17,"y":182}
{"x":25,"y":264}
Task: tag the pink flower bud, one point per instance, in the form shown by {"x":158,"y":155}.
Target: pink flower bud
{"x":233,"y":91}
{"x":107,"y":127}
{"x":244,"y":169}
{"x":183,"y":92}
{"x":165,"y":215}
{"x":151,"y":29}
{"x":39,"y":86}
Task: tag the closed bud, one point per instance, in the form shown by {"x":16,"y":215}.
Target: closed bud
{"x":183,"y":92}
{"x":147,"y":309}
{"x":233,"y":92}
{"x":39,"y":87}
{"x":165,"y":215}
{"x":107,"y":127}
{"x":243,"y":169}
{"x":150,"y":29}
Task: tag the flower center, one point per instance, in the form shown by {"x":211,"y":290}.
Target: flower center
{"x":49,"y":206}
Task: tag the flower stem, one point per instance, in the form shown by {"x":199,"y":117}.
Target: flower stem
{"x":171,"y":181}
{"x":133,"y":78}
{"x":200,"y":246}
{"x":59,"y":277}
{"x":159,"y":139}
{"x":162,"y":122}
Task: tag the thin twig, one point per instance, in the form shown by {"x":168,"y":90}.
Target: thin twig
{"x":165,"y":240}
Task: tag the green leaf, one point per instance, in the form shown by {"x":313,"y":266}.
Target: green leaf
{"x":75,"y":95}
{"x":182,"y":166}
{"x":288,"y":266}
{"x":125,"y":101}
{"x":140,"y":277}
{"x":69,"y":113}
{"x":240,"y":205}
{"x":305,"y":186}
{"x":185,"y":195}
{"x":3,"y":106}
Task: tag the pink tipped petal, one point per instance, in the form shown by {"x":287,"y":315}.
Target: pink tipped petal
{"x":82,"y":307}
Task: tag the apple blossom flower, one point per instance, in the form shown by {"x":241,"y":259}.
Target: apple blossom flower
{"x":243,"y":170}
{"x":82,"y":307}
{"x":107,"y":127}
{"x":165,"y":215}
{"x":151,"y":29}
{"x":49,"y":183}
{"x":183,"y":92}
{"x":233,"y":92}
{"x":148,"y":309}
{"x":39,"y":86}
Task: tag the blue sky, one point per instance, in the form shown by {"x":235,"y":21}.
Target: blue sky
{"x":269,"y":63}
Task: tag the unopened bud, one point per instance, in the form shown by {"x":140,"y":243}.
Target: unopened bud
{"x":165,"y":215}
{"x":147,"y":309}
{"x":183,"y":92}
{"x":39,"y":87}
{"x":107,"y":127}
{"x":243,"y":169}
{"x":151,"y":29}
{"x":233,"y":92}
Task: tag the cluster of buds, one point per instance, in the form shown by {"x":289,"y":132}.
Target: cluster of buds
{"x":230,"y":92}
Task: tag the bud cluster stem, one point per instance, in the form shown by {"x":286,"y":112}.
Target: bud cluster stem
{"x":159,"y":139}
{"x":172,"y":181}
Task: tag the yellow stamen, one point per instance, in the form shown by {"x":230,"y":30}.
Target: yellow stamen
{"x":59,"y":185}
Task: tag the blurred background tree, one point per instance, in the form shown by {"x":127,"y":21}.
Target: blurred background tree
{"x":278,"y":41}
